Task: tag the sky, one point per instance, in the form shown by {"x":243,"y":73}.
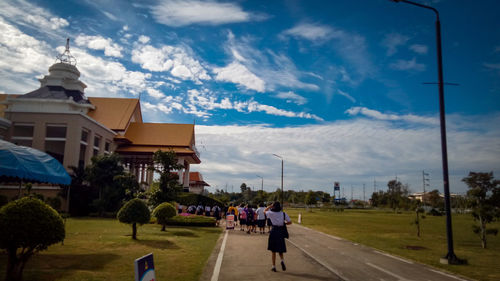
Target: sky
{"x":336,"y":88}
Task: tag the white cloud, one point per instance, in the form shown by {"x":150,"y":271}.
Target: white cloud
{"x":392,"y":41}
{"x":24,"y":13}
{"x":419,"y":49}
{"x":177,"y":60}
{"x":495,"y":66}
{"x":352,"y":152}
{"x":155,"y":93}
{"x":239,"y":74}
{"x":144,"y":39}
{"x":292,"y":97}
{"x":377,"y":115}
{"x":100,"y":43}
{"x":407,"y":65}
{"x":349,"y":97}
{"x":309,"y":31}
{"x":21,"y":52}
{"x":260,"y":70}
{"x":186,"y":12}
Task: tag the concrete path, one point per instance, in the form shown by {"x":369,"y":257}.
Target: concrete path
{"x":311,"y":255}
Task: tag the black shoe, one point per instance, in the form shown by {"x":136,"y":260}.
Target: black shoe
{"x":283,"y":266}
{"x":273,"y":269}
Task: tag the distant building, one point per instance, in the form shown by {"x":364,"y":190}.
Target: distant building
{"x":59,"y":119}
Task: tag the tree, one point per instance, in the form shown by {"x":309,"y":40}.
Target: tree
{"x":101,"y":175}
{"x":27,"y":226}
{"x":169,"y":187}
{"x":395,"y":194}
{"x":484,"y":193}
{"x":310,"y":198}
{"x":163,"y":212}
{"x":134,"y":212}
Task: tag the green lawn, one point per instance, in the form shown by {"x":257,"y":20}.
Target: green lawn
{"x":102,"y":249}
{"x":392,"y":233}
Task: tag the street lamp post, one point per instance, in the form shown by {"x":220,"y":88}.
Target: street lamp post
{"x":450,"y":257}
{"x":282,"y":194}
{"x":262,"y":183}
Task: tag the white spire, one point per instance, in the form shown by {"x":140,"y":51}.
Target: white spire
{"x":66,"y":56}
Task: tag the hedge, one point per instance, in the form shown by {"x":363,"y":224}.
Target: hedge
{"x":191,"y":221}
{"x":188,"y":199}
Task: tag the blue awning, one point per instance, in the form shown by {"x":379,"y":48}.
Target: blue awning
{"x":30,"y":164}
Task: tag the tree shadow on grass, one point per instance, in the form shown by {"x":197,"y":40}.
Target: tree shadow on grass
{"x":72,"y":261}
{"x":159,"y":244}
{"x":184,"y":233}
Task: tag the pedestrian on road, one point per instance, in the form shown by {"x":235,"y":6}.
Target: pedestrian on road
{"x":243,"y":217}
{"x":250,"y":218}
{"x":207,"y":210}
{"x":276,"y":242}
{"x":261,"y":218}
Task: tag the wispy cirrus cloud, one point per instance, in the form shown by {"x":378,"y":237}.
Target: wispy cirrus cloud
{"x":27,"y":14}
{"x":309,"y":31}
{"x":377,"y":115}
{"x":237,"y":73}
{"x":407,"y":65}
{"x":419,"y":49}
{"x":346,"y":95}
{"x":392,"y":41}
{"x":259,"y":70}
{"x":292,"y":97}
{"x":187,"y":12}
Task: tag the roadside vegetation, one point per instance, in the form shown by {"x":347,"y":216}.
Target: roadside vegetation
{"x":394,"y":233}
{"x":102,"y":249}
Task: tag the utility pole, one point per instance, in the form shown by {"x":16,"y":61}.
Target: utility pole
{"x":364,"y":193}
{"x":425,"y":182}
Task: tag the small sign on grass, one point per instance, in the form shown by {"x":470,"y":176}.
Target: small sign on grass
{"x":144,"y":268}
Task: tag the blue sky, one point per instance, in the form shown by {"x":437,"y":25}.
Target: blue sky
{"x":335,"y":87}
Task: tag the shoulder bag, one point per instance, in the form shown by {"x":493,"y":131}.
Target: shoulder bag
{"x":285,"y":230}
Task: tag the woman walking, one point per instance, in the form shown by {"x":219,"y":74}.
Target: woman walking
{"x":276,"y":242}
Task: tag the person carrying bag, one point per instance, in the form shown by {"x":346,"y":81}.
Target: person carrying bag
{"x":276,"y":242}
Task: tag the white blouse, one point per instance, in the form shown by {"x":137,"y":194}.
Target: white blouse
{"x":277,"y":218}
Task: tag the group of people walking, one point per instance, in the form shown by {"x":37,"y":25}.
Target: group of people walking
{"x":276,"y":221}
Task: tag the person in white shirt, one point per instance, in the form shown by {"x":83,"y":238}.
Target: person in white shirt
{"x":276,"y":242}
{"x":261,"y":218}
{"x":207,"y":210}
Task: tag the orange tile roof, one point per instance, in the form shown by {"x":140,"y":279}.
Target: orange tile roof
{"x":114,"y":113}
{"x":153,"y":149}
{"x":160,"y":134}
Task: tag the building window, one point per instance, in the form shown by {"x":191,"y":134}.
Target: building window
{"x":22,"y":134}
{"x":83,"y":148}
{"x":55,"y":141}
{"x":97,"y":142}
{"x":107,"y":146}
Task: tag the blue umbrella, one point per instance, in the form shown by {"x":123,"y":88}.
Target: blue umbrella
{"x":30,"y":164}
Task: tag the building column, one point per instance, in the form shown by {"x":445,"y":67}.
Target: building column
{"x":186,"y":176}
{"x":180,"y":161}
{"x":143,"y":172}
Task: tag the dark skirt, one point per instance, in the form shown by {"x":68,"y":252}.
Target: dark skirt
{"x":207,"y":213}
{"x":261,"y":223}
{"x":250,"y":222}
{"x":276,"y":242}
{"x":269,"y":222}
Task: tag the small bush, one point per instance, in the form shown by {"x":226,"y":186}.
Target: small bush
{"x":163,"y":212}
{"x":191,"y":221}
{"x":435,"y":212}
{"x":134,"y":212}
{"x":31,"y":225}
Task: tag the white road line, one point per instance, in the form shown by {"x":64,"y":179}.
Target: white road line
{"x":331,"y":236}
{"x":387,"y":271}
{"x":394,"y":257}
{"x":319,"y":261}
{"x":218,"y":263}
{"x":448,"y":275}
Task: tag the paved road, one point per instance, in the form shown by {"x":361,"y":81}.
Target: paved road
{"x":311,"y":255}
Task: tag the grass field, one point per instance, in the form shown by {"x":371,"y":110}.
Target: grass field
{"x":395,"y":234}
{"x":102,"y":249}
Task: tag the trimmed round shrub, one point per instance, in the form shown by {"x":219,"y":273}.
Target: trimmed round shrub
{"x":32,"y":226}
{"x":134,"y":212}
{"x":163,"y":212}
